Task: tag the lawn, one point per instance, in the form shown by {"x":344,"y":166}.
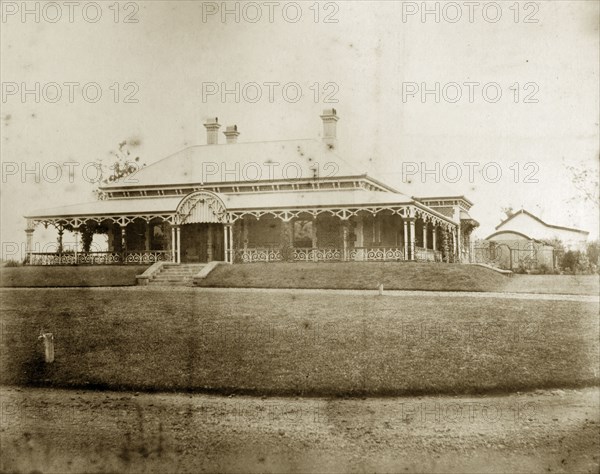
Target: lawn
{"x":561,"y":284}
{"x":358,"y":275}
{"x":286,"y":343}
{"x":50,"y":276}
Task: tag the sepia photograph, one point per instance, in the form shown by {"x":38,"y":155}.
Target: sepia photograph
{"x":300,"y":236}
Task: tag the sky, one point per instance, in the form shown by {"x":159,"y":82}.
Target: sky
{"x":517,"y":101}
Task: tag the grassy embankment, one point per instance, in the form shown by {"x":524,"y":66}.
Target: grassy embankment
{"x":57,"y":276}
{"x":394,"y":276}
{"x":397,"y":276}
{"x":357,"y":275}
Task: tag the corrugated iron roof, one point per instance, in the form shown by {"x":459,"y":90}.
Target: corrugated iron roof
{"x":241,"y":162}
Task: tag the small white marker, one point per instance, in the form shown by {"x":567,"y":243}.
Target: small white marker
{"x":48,"y":339}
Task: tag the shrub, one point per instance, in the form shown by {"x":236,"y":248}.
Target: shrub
{"x":569,"y":261}
{"x":521,"y":269}
{"x":545,"y":269}
{"x":575,"y":262}
{"x":583,"y":263}
{"x":593,"y":253}
{"x":12,"y":263}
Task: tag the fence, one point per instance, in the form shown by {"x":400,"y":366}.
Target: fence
{"x":503,"y":256}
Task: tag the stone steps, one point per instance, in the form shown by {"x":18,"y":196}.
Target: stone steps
{"x":171,"y":272}
{"x":176,"y":275}
{"x":172,"y":278}
{"x":170,"y":283}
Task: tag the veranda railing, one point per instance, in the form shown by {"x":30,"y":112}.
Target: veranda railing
{"x":332,"y":254}
{"x":99,"y":258}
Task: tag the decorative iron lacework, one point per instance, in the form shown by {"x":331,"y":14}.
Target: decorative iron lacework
{"x":375,"y":254}
{"x":147,"y":257}
{"x":332,"y":254}
{"x":80,"y":220}
{"x":406,"y":212}
{"x":259,"y":255}
{"x":211,"y":205}
{"x":99,"y":258}
{"x":216,"y":206}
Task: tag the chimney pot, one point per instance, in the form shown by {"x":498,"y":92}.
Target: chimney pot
{"x":330,"y":119}
{"x":231,"y":133}
{"x":212,"y":131}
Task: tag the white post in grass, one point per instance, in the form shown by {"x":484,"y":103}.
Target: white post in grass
{"x":48,"y":339}
{"x":381,"y":289}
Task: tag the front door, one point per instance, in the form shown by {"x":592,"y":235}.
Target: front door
{"x":201,"y":243}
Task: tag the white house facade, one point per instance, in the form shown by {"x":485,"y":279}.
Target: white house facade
{"x":291,"y":200}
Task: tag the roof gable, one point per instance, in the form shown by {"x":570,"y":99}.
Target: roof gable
{"x":523,"y":214}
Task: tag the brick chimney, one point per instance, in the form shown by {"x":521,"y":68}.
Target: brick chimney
{"x":212,"y":131}
{"x":330,"y":119}
{"x":231,"y":133}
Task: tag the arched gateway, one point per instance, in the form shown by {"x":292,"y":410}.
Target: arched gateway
{"x":202,"y":230}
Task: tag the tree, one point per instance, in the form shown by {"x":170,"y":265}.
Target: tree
{"x":585,"y":179}
{"x":120,"y":165}
{"x":593,"y":252}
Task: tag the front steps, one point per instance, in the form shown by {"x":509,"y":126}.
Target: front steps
{"x":176,"y":274}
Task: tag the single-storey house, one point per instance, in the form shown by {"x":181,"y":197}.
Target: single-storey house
{"x":290,"y":200}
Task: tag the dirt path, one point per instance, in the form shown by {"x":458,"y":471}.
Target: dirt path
{"x":46,"y":430}
{"x":443,"y":294}
{"x":395,"y":293}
